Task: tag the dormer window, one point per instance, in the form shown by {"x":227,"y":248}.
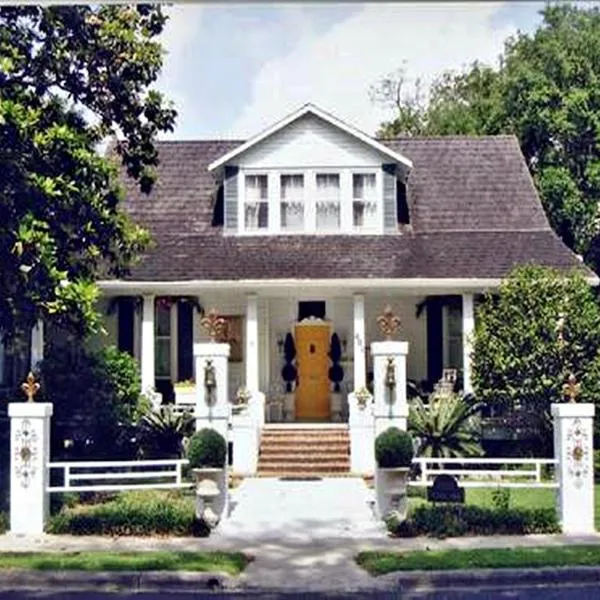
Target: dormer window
{"x":328,"y":201}
{"x":256,"y":203}
{"x":292,"y":202}
{"x":364,"y":201}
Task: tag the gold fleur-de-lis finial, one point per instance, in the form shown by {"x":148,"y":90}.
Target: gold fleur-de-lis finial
{"x":215,"y":326}
{"x":30,"y":387}
{"x":571,"y":389}
{"x":388,"y":323}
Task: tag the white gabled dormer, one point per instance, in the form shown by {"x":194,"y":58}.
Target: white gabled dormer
{"x":311,"y":173}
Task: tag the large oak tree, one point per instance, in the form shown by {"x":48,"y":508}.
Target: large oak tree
{"x":70,"y":77}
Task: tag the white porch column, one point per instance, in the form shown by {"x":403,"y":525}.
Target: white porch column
{"x":360,"y":367}
{"x":574,"y":450}
{"x":252,"y":343}
{"x":468,"y":329}
{"x":147,"y":345}
{"x":29,"y":456}
{"x":37,"y":345}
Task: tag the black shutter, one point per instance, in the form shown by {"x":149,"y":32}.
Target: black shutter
{"x":125,"y":325}
{"x":185,"y":341}
{"x":435,"y":339}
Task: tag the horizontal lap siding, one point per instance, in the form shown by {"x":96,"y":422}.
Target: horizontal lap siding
{"x":230,"y":198}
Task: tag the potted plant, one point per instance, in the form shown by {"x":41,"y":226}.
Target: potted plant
{"x":185,"y":392}
{"x":394,"y":451}
{"x":207,"y":453}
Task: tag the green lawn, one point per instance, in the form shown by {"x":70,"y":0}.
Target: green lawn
{"x":380,"y":563}
{"x":231,"y":563}
{"x":519,"y":498}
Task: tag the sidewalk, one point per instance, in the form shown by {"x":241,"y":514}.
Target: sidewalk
{"x":301,"y":563}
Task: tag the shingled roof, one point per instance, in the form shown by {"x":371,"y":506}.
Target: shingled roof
{"x":474,"y":213}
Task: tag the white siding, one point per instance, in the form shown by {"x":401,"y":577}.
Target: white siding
{"x":310,"y":142}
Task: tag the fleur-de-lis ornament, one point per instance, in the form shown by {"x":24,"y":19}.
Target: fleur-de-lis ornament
{"x":571,"y":389}
{"x":215,"y":326}
{"x":388,"y":323}
{"x":30,"y":387}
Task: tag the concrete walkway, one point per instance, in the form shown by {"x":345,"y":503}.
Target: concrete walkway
{"x":303,"y":535}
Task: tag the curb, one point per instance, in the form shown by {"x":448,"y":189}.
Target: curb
{"x":134,"y":581}
{"x":491,"y":577}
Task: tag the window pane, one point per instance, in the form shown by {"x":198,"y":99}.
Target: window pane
{"x":328,"y":201}
{"x":292,"y":202}
{"x":364,"y":205}
{"x":256,"y":187}
{"x":163,"y":320}
{"x":163,"y":357}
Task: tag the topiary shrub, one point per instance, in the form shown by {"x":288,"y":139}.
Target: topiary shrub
{"x":207,"y":448}
{"x":394,"y":448}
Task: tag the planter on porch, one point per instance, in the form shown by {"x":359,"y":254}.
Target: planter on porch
{"x":185,"y":394}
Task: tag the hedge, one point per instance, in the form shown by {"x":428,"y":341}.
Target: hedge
{"x":454,"y":520}
{"x":141,"y":513}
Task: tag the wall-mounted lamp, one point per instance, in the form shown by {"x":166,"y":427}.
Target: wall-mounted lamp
{"x":210,"y":381}
{"x":390,"y":376}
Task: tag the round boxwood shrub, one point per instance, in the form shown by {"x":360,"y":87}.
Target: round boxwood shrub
{"x":207,"y":448}
{"x":394,"y":448}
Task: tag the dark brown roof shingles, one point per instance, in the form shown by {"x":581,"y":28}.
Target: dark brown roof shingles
{"x":474,"y":213}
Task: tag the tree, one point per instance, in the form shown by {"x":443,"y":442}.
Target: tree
{"x":529,"y":337}
{"x":546,"y":91}
{"x":69,"y":78}
{"x":447,"y":427}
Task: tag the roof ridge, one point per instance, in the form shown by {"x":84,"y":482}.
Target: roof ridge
{"x":421,"y":138}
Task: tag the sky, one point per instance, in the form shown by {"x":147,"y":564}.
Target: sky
{"x":234,"y":69}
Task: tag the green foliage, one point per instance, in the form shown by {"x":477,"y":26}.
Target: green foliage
{"x":143,"y":513}
{"x":162,"y":432}
{"x":446,"y":427}
{"x":518,"y":360}
{"x":501,"y":498}
{"x":597,"y":465}
{"x":207,"y":448}
{"x":454,"y":520}
{"x":4,"y":523}
{"x":96,"y":397}
{"x":394,"y":448}
{"x":544,"y":91}
{"x":71,"y":77}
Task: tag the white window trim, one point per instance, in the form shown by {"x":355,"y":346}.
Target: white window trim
{"x":310,"y":211}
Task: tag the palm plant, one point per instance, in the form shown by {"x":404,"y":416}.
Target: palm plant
{"x":163,"y":431}
{"x":447,"y":427}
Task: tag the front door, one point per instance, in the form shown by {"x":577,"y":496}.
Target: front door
{"x":312,"y":359}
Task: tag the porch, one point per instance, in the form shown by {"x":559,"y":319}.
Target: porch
{"x":305,"y":347}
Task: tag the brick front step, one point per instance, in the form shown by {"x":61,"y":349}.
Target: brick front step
{"x":304,"y":452}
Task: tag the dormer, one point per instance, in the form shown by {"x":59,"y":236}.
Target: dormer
{"x":311,"y":173}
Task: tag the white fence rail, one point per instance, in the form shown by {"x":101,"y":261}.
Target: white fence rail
{"x":469,"y":473}
{"x":113,"y":476}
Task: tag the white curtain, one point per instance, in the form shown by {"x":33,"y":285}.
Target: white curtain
{"x":256,"y":201}
{"x":328,"y":201}
{"x":292,"y":202}
{"x":365,"y":200}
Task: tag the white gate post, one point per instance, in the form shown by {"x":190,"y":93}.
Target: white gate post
{"x":391,"y":407}
{"x":29,"y":458}
{"x":213,"y":408}
{"x":574,"y":450}
{"x":362,"y":432}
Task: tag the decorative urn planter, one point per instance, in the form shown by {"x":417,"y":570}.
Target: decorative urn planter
{"x":207,"y":455}
{"x":394,"y":451}
{"x":185,"y":393}
{"x":208,"y":490}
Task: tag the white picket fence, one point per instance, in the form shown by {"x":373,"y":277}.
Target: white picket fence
{"x":469,"y":475}
{"x":111,"y":476}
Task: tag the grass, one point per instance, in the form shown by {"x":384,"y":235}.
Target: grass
{"x":231,"y":563}
{"x":380,"y":563}
{"x":519,"y":498}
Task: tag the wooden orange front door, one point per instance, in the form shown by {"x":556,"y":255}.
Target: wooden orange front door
{"x":312,"y":350}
